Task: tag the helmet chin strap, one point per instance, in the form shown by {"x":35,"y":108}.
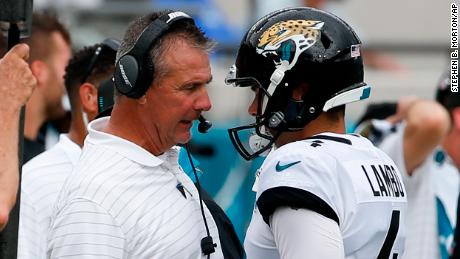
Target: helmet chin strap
{"x":275,"y":79}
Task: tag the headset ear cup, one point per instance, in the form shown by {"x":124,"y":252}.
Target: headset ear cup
{"x":118,"y":80}
{"x":144,"y":78}
{"x":127,"y":75}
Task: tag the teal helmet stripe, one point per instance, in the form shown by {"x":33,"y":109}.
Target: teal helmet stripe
{"x":366,"y":93}
{"x":286,"y":52}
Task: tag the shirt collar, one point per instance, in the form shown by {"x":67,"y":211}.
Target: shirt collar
{"x":124,"y":147}
{"x":71,"y":148}
{"x":171,"y":157}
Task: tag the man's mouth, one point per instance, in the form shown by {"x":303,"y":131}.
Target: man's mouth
{"x":187,"y":122}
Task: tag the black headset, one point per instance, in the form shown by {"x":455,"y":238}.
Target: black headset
{"x":134,"y":74}
{"x":105,"y":89}
{"x":134,"y":70}
{"x":105,"y":97}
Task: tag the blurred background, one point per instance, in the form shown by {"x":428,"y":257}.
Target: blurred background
{"x":406,"y":48}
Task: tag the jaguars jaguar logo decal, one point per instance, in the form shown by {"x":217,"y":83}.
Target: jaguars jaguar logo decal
{"x":285,"y":38}
{"x":283,"y":30}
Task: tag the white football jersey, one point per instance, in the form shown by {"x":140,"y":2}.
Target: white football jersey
{"x":342,"y":177}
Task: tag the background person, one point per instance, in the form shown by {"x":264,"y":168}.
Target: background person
{"x":44,"y":175}
{"x":424,"y":143}
{"x":50,"y":51}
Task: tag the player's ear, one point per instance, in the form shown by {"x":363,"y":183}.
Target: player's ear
{"x":299,"y":91}
{"x":88,"y":97}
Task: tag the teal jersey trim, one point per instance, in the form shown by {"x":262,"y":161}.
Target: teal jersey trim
{"x":445,"y":230}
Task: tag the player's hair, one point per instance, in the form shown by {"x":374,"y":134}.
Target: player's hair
{"x":43,"y":27}
{"x":76,"y":70}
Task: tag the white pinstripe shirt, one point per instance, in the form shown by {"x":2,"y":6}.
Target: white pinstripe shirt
{"x":42,"y":179}
{"x":123,"y":202}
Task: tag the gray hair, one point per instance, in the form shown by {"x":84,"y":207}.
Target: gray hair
{"x":181,"y":30}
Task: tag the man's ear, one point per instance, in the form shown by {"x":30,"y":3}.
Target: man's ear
{"x":40,"y":71}
{"x":88,"y":98}
{"x":142,"y":100}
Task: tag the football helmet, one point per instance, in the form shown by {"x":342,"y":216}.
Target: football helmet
{"x":288,"y":48}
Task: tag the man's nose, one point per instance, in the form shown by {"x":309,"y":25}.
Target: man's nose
{"x":204,"y":102}
{"x":252,"y":110}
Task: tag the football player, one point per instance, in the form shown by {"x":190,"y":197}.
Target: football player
{"x":321,"y":193}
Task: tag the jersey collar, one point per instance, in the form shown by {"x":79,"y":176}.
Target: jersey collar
{"x":341,"y":138}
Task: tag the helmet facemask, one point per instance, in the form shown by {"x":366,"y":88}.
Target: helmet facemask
{"x":254,"y":139}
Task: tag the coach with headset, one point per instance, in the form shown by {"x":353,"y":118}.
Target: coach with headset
{"x":128,"y":197}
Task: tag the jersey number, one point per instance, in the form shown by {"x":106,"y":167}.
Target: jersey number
{"x":390,"y":238}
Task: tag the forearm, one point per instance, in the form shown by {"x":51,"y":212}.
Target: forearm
{"x":16,"y":85}
{"x":429,"y":116}
{"x":9,"y":169}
